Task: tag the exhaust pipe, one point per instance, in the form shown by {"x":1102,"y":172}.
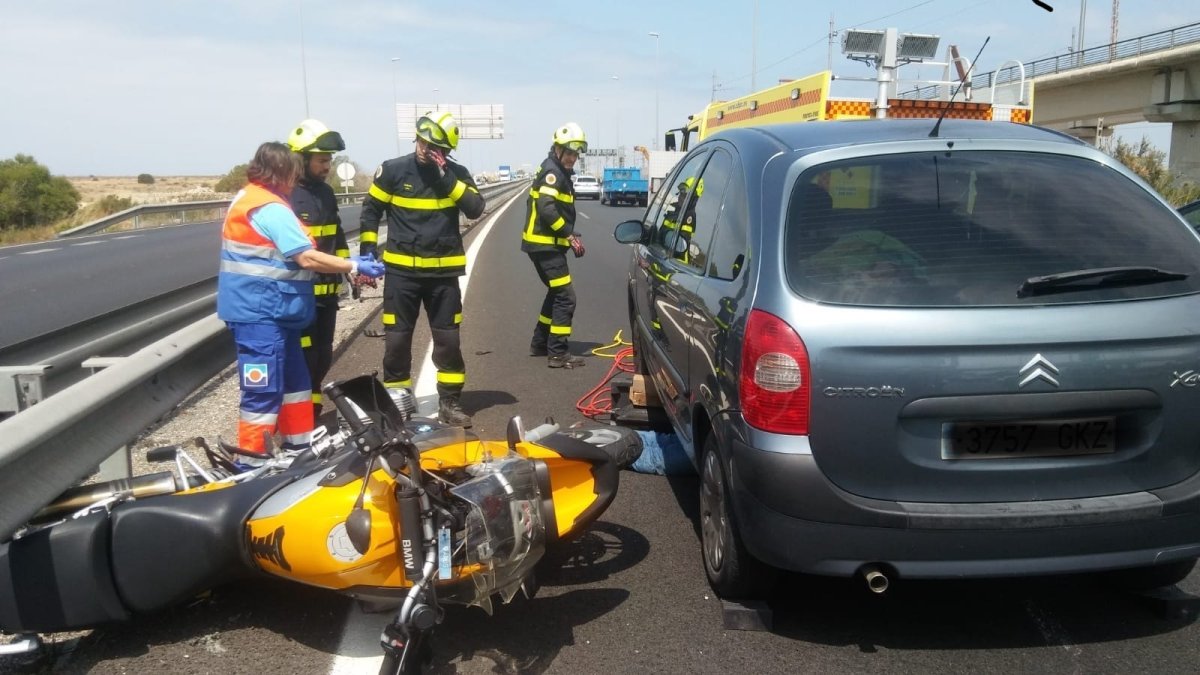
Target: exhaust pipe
{"x":876,"y":580}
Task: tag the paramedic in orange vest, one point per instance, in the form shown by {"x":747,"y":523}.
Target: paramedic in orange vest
{"x":265,"y":296}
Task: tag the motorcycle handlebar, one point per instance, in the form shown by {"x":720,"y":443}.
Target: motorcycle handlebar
{"x":334,"y":393}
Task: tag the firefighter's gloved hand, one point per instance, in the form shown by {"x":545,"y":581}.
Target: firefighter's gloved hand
{"x":366,"y":248}
{"x":576,"y":245}
{"x":368,"y":266}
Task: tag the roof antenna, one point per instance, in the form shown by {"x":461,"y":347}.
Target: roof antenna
{"x":934,"y":132}
{"x":1043,"y":5}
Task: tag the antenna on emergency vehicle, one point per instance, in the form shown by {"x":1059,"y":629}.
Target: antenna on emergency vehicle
{"x":966,"y":76}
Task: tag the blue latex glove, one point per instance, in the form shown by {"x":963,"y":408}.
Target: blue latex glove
{"x":368,"y":266}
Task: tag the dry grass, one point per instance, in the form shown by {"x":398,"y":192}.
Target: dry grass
{"x":165,"y":189}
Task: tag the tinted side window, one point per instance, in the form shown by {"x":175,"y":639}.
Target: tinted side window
{"x":675,"y":200}
{"x":700,"y":216}
{"x":727,"y":255}
{"x":976,"y":228}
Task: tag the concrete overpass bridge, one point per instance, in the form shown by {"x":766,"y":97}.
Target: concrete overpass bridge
{"x":1152,"y":78}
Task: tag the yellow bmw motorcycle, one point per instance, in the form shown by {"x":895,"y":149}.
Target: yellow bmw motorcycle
{"x":389,"y":509}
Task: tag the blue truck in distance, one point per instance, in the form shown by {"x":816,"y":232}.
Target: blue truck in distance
{"x":505,"y":173}
{"x":624,"y":184}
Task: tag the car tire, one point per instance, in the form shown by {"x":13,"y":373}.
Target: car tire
{"x":1152,"y":576}
{"x":732,"y":572}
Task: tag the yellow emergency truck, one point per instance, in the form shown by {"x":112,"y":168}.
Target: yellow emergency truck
{"x":808,"y":100}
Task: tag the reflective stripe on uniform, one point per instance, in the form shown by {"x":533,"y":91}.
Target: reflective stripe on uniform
{"x":296,"y":397}
{"x":316,"y":398}
{"x":259,"y":419}
{"x":561,"y":281}
{"x":368,"y":237}
{"x":424,"y":263}
{"x":342,"y":253}
{"x":322,"y":230}
{"x":305,"y":341}
{"x":551,"y":192}
{"x":327,"y":289}
{"x":389,"y":319}
{"x":255,"y":270}
{"x":459,"y":188}
{"x":397,"y":384}
{"x":542,"y":318}
{"x":560,"y":330}
{"x":542,"y":239}
{"x":458,"y":318}
{"x":416,"y":203}
{"x":558,"y":224}
{"x":451,"y":378}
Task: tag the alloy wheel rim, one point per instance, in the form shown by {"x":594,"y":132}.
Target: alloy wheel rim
{"x":712,"y":513}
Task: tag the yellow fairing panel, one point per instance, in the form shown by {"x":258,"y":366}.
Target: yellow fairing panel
{"x":307,"y":542}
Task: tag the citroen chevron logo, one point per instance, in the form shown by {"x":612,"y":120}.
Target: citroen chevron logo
{"x":1038,"y":368}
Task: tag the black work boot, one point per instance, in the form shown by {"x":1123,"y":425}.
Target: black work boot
{"x":450,"y":411}
{"x":537,"y":350}
{"x":565,"y":361}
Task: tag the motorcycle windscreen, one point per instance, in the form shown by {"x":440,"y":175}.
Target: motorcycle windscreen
{"x":504,"y":534}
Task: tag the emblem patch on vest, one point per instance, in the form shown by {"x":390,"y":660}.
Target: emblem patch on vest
{"x":550,"y":179}
{"x":255,"y":376}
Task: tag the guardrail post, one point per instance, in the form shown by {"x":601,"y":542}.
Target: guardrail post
{"x":26,"y":387}
{"x":120,"y":463}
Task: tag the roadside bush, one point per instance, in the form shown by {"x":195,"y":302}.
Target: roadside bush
{"x":30,"y":196}
{"x":110,"y":204}
{"x":233,"y":181}
{"x":1150,"y":164}
{"x":145,"y":179}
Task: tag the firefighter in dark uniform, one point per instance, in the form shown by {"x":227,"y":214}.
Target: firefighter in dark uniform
{"x":549,"y":233}
{"x":424,"y":194}
{"x":314,"y":203}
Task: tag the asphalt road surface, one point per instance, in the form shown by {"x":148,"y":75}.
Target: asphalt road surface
{"x":58,"y":283}
{"x":631,"y":596}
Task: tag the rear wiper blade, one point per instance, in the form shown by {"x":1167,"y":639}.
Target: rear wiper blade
{"x":1103,"y":276}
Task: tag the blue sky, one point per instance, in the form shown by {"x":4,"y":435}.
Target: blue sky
{"x":190,"y":87}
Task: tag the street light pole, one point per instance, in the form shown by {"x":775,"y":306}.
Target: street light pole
{"x":655,"y":35}
{"x":303,"y":65}
{"x":395,"y":105}
{"x":618,"y":117}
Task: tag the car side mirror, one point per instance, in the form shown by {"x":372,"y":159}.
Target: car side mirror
{"x":629,"y":232}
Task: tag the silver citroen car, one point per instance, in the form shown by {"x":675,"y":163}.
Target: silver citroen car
{"x":903,"y":351}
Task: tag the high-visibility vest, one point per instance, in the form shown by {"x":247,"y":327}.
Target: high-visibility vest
{"x":256,"y":284}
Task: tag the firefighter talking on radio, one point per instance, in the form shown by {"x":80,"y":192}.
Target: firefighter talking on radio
{"x":316,"y":206}
{"x":423,"y":195}
{"x":549,"y":233}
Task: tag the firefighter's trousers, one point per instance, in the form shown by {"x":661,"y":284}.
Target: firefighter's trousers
{"x":317,"y":341}
{"x":403,"y":297}
{"x":553,"y":327}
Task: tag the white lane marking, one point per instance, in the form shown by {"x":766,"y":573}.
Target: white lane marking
{"x":585,"y":215}
{"x":359,"y":650}
{"x":37,"y":251}
{"x":1052,"y":631}
{"x":89,"y":243}
{"x":126,"y":236}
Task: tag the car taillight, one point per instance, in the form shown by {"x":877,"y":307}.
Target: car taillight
{"x":775,"y":386}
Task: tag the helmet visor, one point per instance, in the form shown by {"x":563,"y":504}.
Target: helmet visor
{"x":330,"y":141}
{"x":578,"y":147}
{"x":433,"y":133}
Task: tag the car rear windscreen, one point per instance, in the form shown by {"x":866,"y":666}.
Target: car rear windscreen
{"x":982,"y":228}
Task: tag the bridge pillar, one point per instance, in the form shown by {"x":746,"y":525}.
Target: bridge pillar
{"x":1175,"y":100}
{"x":1185,"y":148}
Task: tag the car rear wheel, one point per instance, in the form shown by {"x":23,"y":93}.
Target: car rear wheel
{"x":732,"y":571}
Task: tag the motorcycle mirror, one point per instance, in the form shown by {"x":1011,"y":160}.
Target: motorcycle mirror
{"x":358,"y":528}
{"x":515,"y":433}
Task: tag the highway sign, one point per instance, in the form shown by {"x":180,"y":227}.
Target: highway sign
{"x":345,"y":171}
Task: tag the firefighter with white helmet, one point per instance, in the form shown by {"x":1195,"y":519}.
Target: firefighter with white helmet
{"x":423,"y":195}
{"x":549,"y":232}
{"x":315,"y":204}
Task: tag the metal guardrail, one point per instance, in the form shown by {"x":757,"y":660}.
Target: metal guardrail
{"x":53,"y":445}
{"x":1092,"y":56}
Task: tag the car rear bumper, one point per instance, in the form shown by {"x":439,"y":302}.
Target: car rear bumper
{"x":791,"y":517}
